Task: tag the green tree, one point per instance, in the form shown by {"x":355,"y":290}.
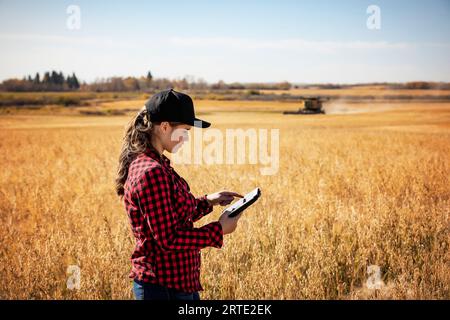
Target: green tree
{"x":75,"y":82}
{"x":149,"y":76}
{"x":46,"y":79}
{"x":37,"y":78}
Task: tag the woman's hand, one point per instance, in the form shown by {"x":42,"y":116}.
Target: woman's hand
{"x":222,"y":197}
{"x":229,"y":224}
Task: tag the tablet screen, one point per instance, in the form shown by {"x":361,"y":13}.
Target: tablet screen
{"x":242,"y":203}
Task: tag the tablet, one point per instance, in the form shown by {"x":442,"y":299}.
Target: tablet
{"x":243,"y":203}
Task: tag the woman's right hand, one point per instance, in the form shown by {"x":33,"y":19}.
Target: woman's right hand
{"x":229,"y":224}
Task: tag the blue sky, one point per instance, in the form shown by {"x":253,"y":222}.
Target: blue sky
{"x":257,"y":41}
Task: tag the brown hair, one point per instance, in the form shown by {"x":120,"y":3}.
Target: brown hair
{"x":136,"y":140}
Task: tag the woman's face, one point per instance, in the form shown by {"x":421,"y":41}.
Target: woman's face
{"x":172,"y":137}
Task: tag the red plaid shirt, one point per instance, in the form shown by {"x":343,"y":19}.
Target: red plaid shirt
{"x":162,"y":213}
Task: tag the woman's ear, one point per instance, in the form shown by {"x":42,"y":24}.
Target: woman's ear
{"x":164,"y":126}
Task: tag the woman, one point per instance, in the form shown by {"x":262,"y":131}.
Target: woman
{"x":161,"y":209}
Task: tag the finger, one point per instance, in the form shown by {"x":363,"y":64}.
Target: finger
{"x":226,"y":198}
{"x":233,"y":194}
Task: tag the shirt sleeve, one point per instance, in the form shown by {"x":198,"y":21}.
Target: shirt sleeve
{"x":154,"y":196}
{"x":202,"y":208}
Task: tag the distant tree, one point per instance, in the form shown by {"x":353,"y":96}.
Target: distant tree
{"x":236,"y":86}
{"x":116,"y":84}
{"x":14,"y":85}
{"x":61,"y":79}
{"x":284,"y":85}
{"x":54,"y":77}
{"x":51,"y":81}
{"x":220,"y":85}
{"x":182,"y":84}
{"x":417,"y":85}
{"x":143,"y":83}
{"x":76,"y":83}
{"x":37,"y":79}
{"x":149,"y":76}
{"x":72,"y":82}
{"x":201,"y":84}
{"x":46,"y":78}
{"x":131,"y":84}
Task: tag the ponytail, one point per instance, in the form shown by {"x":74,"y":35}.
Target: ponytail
{"x":136,"y":140}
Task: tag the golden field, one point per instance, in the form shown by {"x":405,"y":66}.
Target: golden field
{"x":367,"y":184}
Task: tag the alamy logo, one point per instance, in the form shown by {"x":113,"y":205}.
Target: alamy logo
{"x":74,"y":279}
{"x":374,"y":20}
{"x":235,"y":146}
{"x":73,"y":21}
{"x":374,"y":280}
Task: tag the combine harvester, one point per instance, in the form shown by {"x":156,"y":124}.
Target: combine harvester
{"x":311,"y":105}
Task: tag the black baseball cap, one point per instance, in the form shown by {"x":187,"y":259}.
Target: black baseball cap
{"x":171,"y":105}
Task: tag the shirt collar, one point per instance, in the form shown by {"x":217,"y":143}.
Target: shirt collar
{"x":161,"y":158}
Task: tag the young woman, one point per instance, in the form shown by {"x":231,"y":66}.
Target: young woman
{"x":160,"y":206}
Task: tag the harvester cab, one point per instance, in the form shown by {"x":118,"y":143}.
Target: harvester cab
{"x":311,"y":105}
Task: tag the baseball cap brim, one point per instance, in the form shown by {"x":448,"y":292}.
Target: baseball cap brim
{"x":200,"y":123}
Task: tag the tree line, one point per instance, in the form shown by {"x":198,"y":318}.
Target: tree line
{"x":56,"y":81}
{"x":50,"y":81}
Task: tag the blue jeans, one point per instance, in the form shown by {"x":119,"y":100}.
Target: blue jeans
{"x":150,"y":291}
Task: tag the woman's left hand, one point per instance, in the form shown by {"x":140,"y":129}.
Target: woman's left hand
{"x":222,"y":197}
